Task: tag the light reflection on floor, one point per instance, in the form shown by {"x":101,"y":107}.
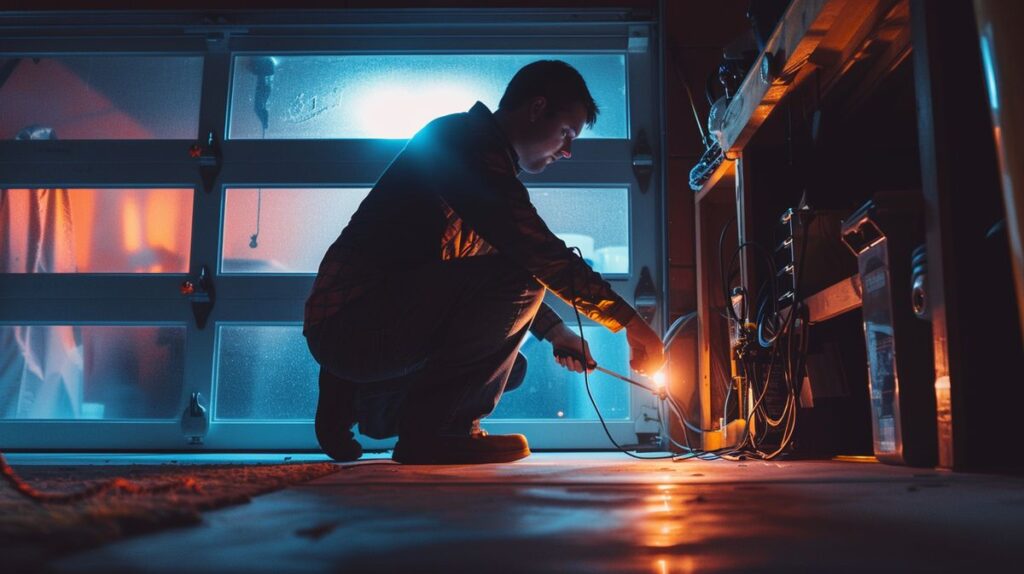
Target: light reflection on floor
{"x":599,"y":514}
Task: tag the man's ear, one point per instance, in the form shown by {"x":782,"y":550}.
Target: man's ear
{"x":538,"y":106}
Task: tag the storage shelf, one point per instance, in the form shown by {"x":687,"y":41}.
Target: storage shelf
{"x":723,"y":174}
{"x":812,"y":36}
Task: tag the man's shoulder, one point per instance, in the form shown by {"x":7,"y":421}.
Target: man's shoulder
{"x":466,"y":136}
{"x":461,"y":127}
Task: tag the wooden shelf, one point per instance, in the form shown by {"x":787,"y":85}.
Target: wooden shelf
{"x":722,"y":174}
{"x":834,"y":300}
{"x":816,"y":44}
{"x":812,"y":36}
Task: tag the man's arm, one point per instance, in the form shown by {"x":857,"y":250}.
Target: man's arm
{"x":546,"y":321}
{"x":475,"y":176}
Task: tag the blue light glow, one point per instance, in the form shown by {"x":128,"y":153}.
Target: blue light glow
{"x":990,"y":69}
{"x":398,"y":109}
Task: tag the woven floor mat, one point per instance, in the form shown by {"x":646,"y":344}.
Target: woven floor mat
{"x":32,"y":533}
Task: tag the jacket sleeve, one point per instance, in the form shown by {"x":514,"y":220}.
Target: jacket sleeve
{"x":474,"y":174}
{"x":545,"y":320}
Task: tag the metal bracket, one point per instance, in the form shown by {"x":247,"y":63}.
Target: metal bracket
{"x":217,"y":32}
{"x":209,"y":160}
{"x":200,"y":293}
{"x":639,"y":40}
{"x":645,"y":297}
{"x":643,"y":161}
{"x":194,"y":422}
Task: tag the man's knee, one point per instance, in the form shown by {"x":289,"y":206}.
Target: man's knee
{"x":518,"y":373}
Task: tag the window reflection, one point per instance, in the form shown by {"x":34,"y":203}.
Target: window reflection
{"x":393,"y":96}
{"x":283,"y":230}
{"x":95,"y":230}
{"x":288,"y":230}
{"x":101,"y":97}
{"x":91,"y":372}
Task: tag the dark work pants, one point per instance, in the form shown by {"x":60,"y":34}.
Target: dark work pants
{"x":432,"y":350}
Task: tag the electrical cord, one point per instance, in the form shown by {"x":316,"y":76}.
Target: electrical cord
{"x":664,"y":394}
{"x":255,"y":237}
{"x":586,"y":373}
{"x":731,"y":312}
{"x":770,"y":336}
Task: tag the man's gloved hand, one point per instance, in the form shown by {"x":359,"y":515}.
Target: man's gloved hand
{"x":646,"y":353}
{"x":566,"y":347}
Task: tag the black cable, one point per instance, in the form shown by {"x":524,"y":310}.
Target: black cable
{"x":674,"y":57}
{"x":731,"y":313}
{"x":770,"y":260}
{"x":254,"y":238}
{"x":757,"y":412}
{"x":586,"y":371}
{"x":741,"y":451}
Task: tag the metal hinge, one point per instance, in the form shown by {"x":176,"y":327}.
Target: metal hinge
{"x":643,"y":161}
{"x":208,"y":156}
{"x":201,"y":295}
{"x":645,"y":297}
{"x":194,"y":422}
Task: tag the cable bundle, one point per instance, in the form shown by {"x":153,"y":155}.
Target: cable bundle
{"x":774,"y":364}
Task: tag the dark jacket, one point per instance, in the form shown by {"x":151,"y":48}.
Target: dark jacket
{"x":454,"y":192}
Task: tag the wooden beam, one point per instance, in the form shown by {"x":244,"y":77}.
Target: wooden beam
{"x":796,"y":36}
{"x":723,"y":175}
{"x":834,"y":300}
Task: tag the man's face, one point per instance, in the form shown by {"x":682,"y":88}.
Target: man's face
{"x":548,"y":137}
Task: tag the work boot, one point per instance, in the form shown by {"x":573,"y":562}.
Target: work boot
{"x":335,"y":416}
{"x":476,"y":448}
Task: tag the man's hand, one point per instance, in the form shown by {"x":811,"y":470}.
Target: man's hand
{"x":646,"y":353}
{"x":569,"y":343}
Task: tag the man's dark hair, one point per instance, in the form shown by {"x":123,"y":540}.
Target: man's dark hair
{"x":559,"y":83}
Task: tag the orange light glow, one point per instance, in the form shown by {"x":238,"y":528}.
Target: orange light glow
{"x":131,"y":225}
{"x":659,"y":379}
{"x":675,"y":564}
{"x":162,"y":207}
{"x":83,"y":214}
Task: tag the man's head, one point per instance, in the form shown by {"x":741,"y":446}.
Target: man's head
{"x":544,"y":108}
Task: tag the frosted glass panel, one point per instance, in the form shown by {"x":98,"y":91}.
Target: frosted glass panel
{"x":265,"y":372}
{"x":95,"y":230}
{"x":101,"y":97}
{"x":393,"y":96}
{"x":295,"y":227}
{"x":594,"y":219}
{"x":91,"y":372}
{"x":551,"y":392}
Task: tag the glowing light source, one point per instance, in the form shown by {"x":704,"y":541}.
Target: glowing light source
{"x":659,"y":379}
{"x":398,"y":109}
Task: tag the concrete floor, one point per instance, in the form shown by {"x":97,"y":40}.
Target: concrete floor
{"x":598,"y":513}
